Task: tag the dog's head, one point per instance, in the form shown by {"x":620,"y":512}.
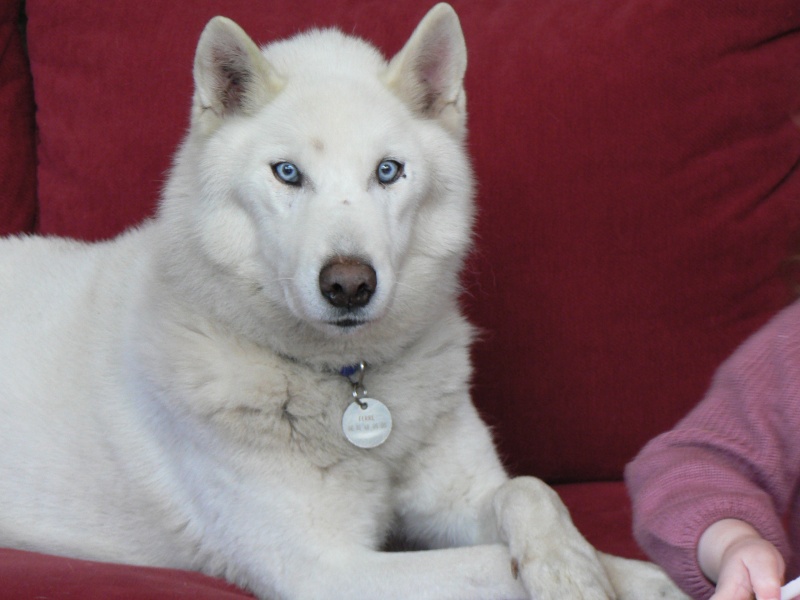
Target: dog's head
{"x":331,"y":184}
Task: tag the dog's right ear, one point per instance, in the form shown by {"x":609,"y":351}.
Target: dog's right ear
{"x":231,"y":76}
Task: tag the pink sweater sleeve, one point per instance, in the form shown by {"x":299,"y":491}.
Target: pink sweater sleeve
{"x":736,"y":455}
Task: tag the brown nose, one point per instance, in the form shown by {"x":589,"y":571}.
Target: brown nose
{"x":347,"y":282}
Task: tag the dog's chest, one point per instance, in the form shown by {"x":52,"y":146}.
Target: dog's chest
{"x":318,"y":417}
{"x":239,"y":400}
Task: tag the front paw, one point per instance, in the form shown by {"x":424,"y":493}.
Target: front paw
{"x":563,"y":573}
{"x":550,"y":557}
{"x":635,"y":580}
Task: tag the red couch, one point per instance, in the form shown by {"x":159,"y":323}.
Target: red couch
{"x":639,"y":200}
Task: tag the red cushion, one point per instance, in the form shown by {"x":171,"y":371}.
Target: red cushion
{"x":31,"y":575}
{"x":637,"y":169}
{"x":640,"y":197}
{"x":17,"y":151}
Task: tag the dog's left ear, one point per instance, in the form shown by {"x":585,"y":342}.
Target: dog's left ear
{"x":428,"y":73}
{"x":231,"y":76}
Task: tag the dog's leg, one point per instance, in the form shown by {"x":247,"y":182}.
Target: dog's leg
{"x":635,"y":579}
{"x":552,"y":557}
{"x":318,"y":550}
{"x":458,"y":494}
{"x":326,"y":549}
{"x":477,"y":572}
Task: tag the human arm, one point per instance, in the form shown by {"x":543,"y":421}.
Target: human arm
{"x":734,"y":456}
{"x":679,"y":491}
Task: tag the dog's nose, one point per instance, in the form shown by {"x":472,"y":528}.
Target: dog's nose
{"x":347,"y":282}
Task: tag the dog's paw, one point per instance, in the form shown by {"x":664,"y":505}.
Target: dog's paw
{"x":638,"y":580}
{"x":549,"y":556}
{"x":563,"y":574}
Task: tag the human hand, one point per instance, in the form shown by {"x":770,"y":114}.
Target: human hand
{"x":743,"y":564}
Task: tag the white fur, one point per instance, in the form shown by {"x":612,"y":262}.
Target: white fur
{"x":171,"y":397}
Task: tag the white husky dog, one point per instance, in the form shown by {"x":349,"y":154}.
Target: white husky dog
{"x":193,"y":394}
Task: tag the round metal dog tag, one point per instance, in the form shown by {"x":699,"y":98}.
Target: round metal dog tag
{"x":367,"y":423}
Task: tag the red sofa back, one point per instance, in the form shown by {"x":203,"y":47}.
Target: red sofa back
{"x":638,"y":177}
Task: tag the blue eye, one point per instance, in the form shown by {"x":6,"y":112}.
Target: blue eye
{"x":288,"y":173}
{"x":389,"y":171}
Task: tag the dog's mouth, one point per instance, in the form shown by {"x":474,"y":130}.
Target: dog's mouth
{"x":348,"y":323}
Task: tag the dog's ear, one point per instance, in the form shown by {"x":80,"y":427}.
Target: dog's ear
{"x":428,"y":73}
{"x":231,"y":76}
